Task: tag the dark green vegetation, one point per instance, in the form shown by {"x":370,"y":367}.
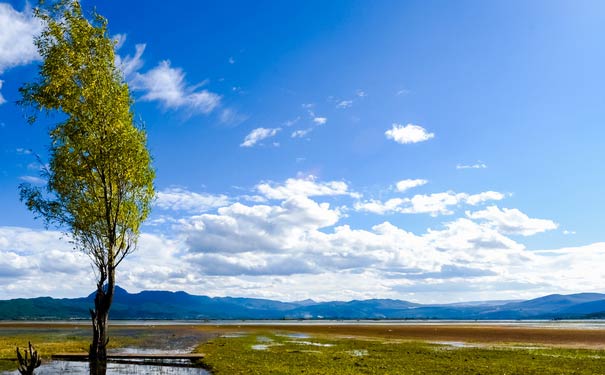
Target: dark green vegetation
{"x":290,"y":355}
{"x":181,"y":305}
{"x":99,"y":177}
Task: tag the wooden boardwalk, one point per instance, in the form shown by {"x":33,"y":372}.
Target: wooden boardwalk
{"x":129,"y":356}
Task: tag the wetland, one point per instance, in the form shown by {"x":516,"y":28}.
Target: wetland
{"x":330,"y":347}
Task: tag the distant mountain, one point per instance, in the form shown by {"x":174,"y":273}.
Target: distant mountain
{"x":181,"y":305}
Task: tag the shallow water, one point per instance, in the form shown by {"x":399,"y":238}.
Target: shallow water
{"x":455,"y":344}
{"x":294,"y":335}
{"x":577,"y":324}
{"x":81,"y":368}
{"x":310,"y":343}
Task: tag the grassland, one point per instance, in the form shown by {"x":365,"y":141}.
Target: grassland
{"x":269,"y":353}
{"x":341,"y":349}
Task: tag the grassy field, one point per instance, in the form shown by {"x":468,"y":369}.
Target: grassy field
{"x":50,"y":339}
{"x":269,"y":353}
{"x":340,"y":349}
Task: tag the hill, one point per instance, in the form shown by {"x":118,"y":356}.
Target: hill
{"x":181,"y":305}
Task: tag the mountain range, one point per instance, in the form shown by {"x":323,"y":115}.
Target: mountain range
{"x":181,"y":305}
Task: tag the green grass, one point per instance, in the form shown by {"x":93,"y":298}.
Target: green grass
{"x":287,"y":355}
{"x":48,"y":341}
{"x":328,"y":355}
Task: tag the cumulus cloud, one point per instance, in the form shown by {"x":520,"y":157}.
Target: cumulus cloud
{"x":408,"y":134}
{"x":299,"y":248}
{"x":433,"y":204}
{"x":404,"y":185}
{"x":167,"y":85}
{"x":258,"y":228}
{"x":305,"y":187}
{"x":292,"y":246}
{"x":39,"y":262}
{"x":180,"y":199}
{"x":485,"y":196}
{"x":17,"y":38}
{"x":258,"y":135}
{"x":512,"y":221}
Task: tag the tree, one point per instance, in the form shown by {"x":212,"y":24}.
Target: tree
{"x":99,"y":177}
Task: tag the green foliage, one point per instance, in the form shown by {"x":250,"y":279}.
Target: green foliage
{"x":287,"y":355}
{"x":100,"y":179}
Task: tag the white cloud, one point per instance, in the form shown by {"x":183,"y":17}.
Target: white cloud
{"x":130,"y":64}
{"x":167,"y":85}
{"x":485,"y":196}
{"x":258,"y":135}
{"x":407,"y":184}
{"x":17,"y":37}
{"x":512,"y":221}
{"x":320,"y":120}
{"x":433,"y":204}
{"x":408,"y":134}
{"x":344,"y":104}
{"x":301,"y":133}
{"x":39,"y":262}
{"x":299,"y":248}
{"x":478,"y":165}
{"x":292,"y":122}
{"x":2,"y":100}
{"x":257,"y":228}
{"x":119,"y":40}
{"x":305,"y":187}
{"x":360,"y":93}
{"x":378,"y":207}
{"x":33,"y":180}
{"x":232,"y":117}
{"x":568,"y":232}
{"x":179,"y":199}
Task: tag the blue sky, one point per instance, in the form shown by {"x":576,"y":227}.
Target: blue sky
{"x":425,"y":150}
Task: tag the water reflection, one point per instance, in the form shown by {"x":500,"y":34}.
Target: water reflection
{"x":117,"y":368}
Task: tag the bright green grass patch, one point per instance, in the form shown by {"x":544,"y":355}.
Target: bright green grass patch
{"x":288,"y":355}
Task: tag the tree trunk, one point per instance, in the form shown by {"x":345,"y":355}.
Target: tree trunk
{"x":97,"y":354}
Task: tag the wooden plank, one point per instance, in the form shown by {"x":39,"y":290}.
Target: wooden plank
{"x":84,"y":356}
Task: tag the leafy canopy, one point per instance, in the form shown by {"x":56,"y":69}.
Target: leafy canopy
{"x":100,"y":178}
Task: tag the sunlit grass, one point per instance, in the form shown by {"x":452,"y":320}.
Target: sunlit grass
{"x":287,"y":355}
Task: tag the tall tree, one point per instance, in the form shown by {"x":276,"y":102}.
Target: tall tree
{"x":99,"y":179}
